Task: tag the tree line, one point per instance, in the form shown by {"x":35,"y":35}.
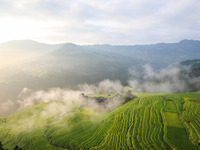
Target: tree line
{"x":15,"y":148}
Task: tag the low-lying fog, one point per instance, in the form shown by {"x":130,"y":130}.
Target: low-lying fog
{"x":62,"y":72}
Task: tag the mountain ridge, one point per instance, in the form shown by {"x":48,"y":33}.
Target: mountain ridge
{"x":105,"y":44}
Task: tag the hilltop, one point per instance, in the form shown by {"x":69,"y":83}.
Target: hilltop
{"x":151,"y":121}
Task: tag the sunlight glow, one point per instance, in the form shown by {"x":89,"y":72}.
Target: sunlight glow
{"x":16,"y":29}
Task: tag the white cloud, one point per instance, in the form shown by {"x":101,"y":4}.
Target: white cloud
{"x":167,"y":80}
{"x":100,"y":21}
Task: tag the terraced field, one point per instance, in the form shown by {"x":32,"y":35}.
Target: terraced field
{"x":162,"y":121}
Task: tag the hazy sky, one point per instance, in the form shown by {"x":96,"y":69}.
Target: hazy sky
{"x":100,"y":21}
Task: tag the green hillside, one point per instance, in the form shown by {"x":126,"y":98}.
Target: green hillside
{"x":151,"y":121}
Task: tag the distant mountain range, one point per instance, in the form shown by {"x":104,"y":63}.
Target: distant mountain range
{"x":69,"y":64}
{"x":159,"y":55}
{"x":37,"y":66}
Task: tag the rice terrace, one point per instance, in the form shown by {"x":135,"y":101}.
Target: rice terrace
{"x":162,"y":121}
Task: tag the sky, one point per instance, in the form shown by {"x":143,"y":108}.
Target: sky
{"x":116,"y":22}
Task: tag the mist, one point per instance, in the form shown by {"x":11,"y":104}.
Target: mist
{"x":145,"y":79}
{"x":32,"y":73}
{"x":103,"y":87}
{"x":70,"y":98}
{"x":172,"y":79}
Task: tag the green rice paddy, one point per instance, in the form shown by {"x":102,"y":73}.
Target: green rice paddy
{"x":150,"y":122}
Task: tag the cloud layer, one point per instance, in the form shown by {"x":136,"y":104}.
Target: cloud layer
{"x":168,"y":80}
{"x":70,"y":98}
{"x":100,"y":21}
{"x":145,"y":79}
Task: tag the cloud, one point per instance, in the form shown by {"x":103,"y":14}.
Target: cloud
{"x":143,"y":79}
{"x":114,"y":22}
{"x":168,"y":80}
{"x":103,"y":87}
{"x":28,"y":98}
{"x":7,"y":106}
{"x":62,"y":102}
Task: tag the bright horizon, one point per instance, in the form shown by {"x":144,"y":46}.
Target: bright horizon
{"x":100,"y":22}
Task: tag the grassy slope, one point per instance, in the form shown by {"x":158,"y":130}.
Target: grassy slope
{"x":164,"y":121}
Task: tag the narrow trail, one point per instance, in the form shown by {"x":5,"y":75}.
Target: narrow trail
{"x":61,"y":117}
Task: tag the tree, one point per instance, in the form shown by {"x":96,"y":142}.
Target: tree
{"x":128,"y":96}
{"x":1,"y":146}
{"x":17,"y":148}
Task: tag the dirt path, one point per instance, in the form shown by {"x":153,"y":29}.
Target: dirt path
{"x":61,"y":117}
{"x":47,"y":127}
